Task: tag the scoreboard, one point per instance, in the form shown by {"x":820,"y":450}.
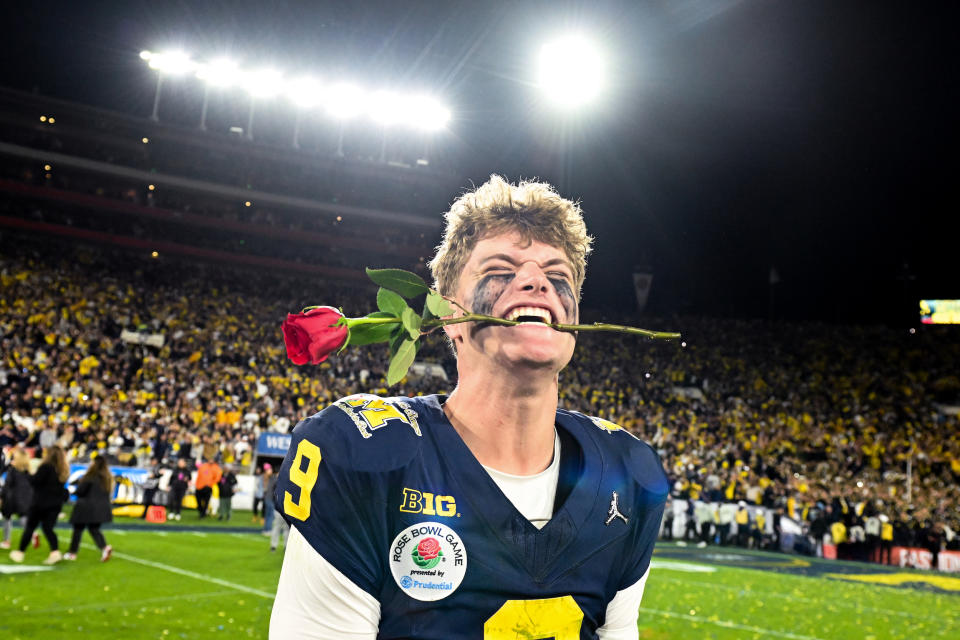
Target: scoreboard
{"x":940,"y":311}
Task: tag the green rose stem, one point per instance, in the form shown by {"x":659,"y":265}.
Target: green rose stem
{"x":476,"y":317}
{"x":397,"y":287}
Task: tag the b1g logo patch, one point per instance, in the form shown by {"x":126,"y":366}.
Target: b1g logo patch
{"x":428,"y":561}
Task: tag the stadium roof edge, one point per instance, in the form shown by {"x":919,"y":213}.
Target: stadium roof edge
{"x":189,"y":184}
{"x":189,"y":135}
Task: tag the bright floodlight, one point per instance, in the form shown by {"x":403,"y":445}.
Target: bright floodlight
{"x":344,"y":101}
{"x":387,"y":108}
{"x":570,"y":71}
{"x":265,"y":83}
{"x":427,"y":113}
{"x":417,"y":111}
{"x":145,"y":55}
{"x":305,"y":92}
{"x":171,"y":62}
{"x":219,"y":73}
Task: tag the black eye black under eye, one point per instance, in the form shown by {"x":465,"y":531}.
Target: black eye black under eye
{"x":562,"y":287}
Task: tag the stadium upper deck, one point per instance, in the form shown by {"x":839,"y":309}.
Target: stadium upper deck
{"x":131,"y":181}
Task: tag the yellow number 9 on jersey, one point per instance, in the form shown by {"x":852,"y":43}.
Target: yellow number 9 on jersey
{"x":303,"y":479}
{"x":558,"y":618}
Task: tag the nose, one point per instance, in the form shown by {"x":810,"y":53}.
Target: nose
{"x":530,"y":277}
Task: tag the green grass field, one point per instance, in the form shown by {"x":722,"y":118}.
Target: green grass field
{"x":206,"y":584}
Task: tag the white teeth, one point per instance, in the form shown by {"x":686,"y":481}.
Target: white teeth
{"x":538,"y":312}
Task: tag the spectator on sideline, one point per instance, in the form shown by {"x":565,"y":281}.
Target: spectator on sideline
{"x":886,"y":539}
{"x":258,"y":505}
{"x":269,"y":482}
{"x":725,"y":517}
{"x":742,"y":518}
{"x":151,"y":485}
{"x":16,"y":493}
{"x":179,"y":482}
{"x":93,"y":508}
{"x":49,"y":494}
{"x":278,"y":531}
{"x":226,"y":484}
{"x":208,"y":475}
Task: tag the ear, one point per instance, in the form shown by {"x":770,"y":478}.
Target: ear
{"x":455,"y":331}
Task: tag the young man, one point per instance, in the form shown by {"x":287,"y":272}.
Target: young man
{"x":489,"y":513}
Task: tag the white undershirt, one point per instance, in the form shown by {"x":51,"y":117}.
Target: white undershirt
{"x":316,"y":601}
{"x":533,"y":496}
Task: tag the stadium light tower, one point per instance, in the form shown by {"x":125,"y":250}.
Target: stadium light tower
{"x":429,"y":116}
{"x":262,"y":84}
{"x":343,"y":101}
{"x":220,"y":73}
{"x":170,"y":63}
{"x":387,"y":108}
{"x":305,"y":94}
{"x":570,"y":71}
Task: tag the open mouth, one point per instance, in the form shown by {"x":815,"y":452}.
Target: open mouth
{"x":530,"y":315}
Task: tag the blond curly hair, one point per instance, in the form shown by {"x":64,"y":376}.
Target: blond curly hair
{"x":534,"y":209}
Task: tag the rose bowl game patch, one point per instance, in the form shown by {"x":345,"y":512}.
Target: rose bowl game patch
{"x":428,"y":561}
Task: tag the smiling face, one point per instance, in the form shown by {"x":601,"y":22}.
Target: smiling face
{"x":508,"y":277}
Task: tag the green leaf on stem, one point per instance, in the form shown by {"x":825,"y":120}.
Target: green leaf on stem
{"x":426,"y":314}
{"x":401,"y":361}
{"x":438,"y":306}
{"x":411,"y":322}
{"x":372,"y":333}
{"x":407,"y":284}
{"x":390,"y":302}
{"x":397,"y":336}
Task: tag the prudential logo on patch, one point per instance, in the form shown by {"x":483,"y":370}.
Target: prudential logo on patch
{"x":428,"y":561}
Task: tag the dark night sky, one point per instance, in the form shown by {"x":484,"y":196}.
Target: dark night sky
{"x":818,"y":137}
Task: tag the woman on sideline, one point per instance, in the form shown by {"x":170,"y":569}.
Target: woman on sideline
{"x":93,"y":508}
{"x":49,"y":494}
{"x":16,"y":493}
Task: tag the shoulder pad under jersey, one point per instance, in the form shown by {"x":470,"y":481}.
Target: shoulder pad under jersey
{"x":637,"y":456}
{"x":365,"y":432}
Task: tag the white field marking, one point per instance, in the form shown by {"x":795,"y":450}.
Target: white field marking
{"x":132,"y":603}
{"x":23,"y":568}
{"x":190,"y":574}
{"x":198,"y":534}
{"x":687,"y":567}
{"x":793,"y":598}
{"x":160,"y":533}
{"x":730,"y":625}
{"x":116,"y":532}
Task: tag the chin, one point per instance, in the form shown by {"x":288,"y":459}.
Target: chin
{"x":537,"y":357}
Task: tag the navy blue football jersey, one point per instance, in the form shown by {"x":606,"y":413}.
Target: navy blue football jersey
{"x":388,"y":493}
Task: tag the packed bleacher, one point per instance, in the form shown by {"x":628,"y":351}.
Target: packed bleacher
{"x":813,"y":422}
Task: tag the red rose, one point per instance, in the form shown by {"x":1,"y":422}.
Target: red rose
{"x":312,"y":336}
{"x":428,"y":548}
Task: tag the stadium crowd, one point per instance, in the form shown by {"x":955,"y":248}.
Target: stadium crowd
{"x":816,"y":422}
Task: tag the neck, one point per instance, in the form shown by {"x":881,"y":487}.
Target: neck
{"x":507,"y":421}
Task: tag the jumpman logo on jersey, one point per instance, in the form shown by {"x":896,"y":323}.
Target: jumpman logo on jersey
{"x":614,"y":511}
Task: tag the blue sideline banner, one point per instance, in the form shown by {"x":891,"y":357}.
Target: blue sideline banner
{"x":122,"y":476}
{"x":273,"y":444}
